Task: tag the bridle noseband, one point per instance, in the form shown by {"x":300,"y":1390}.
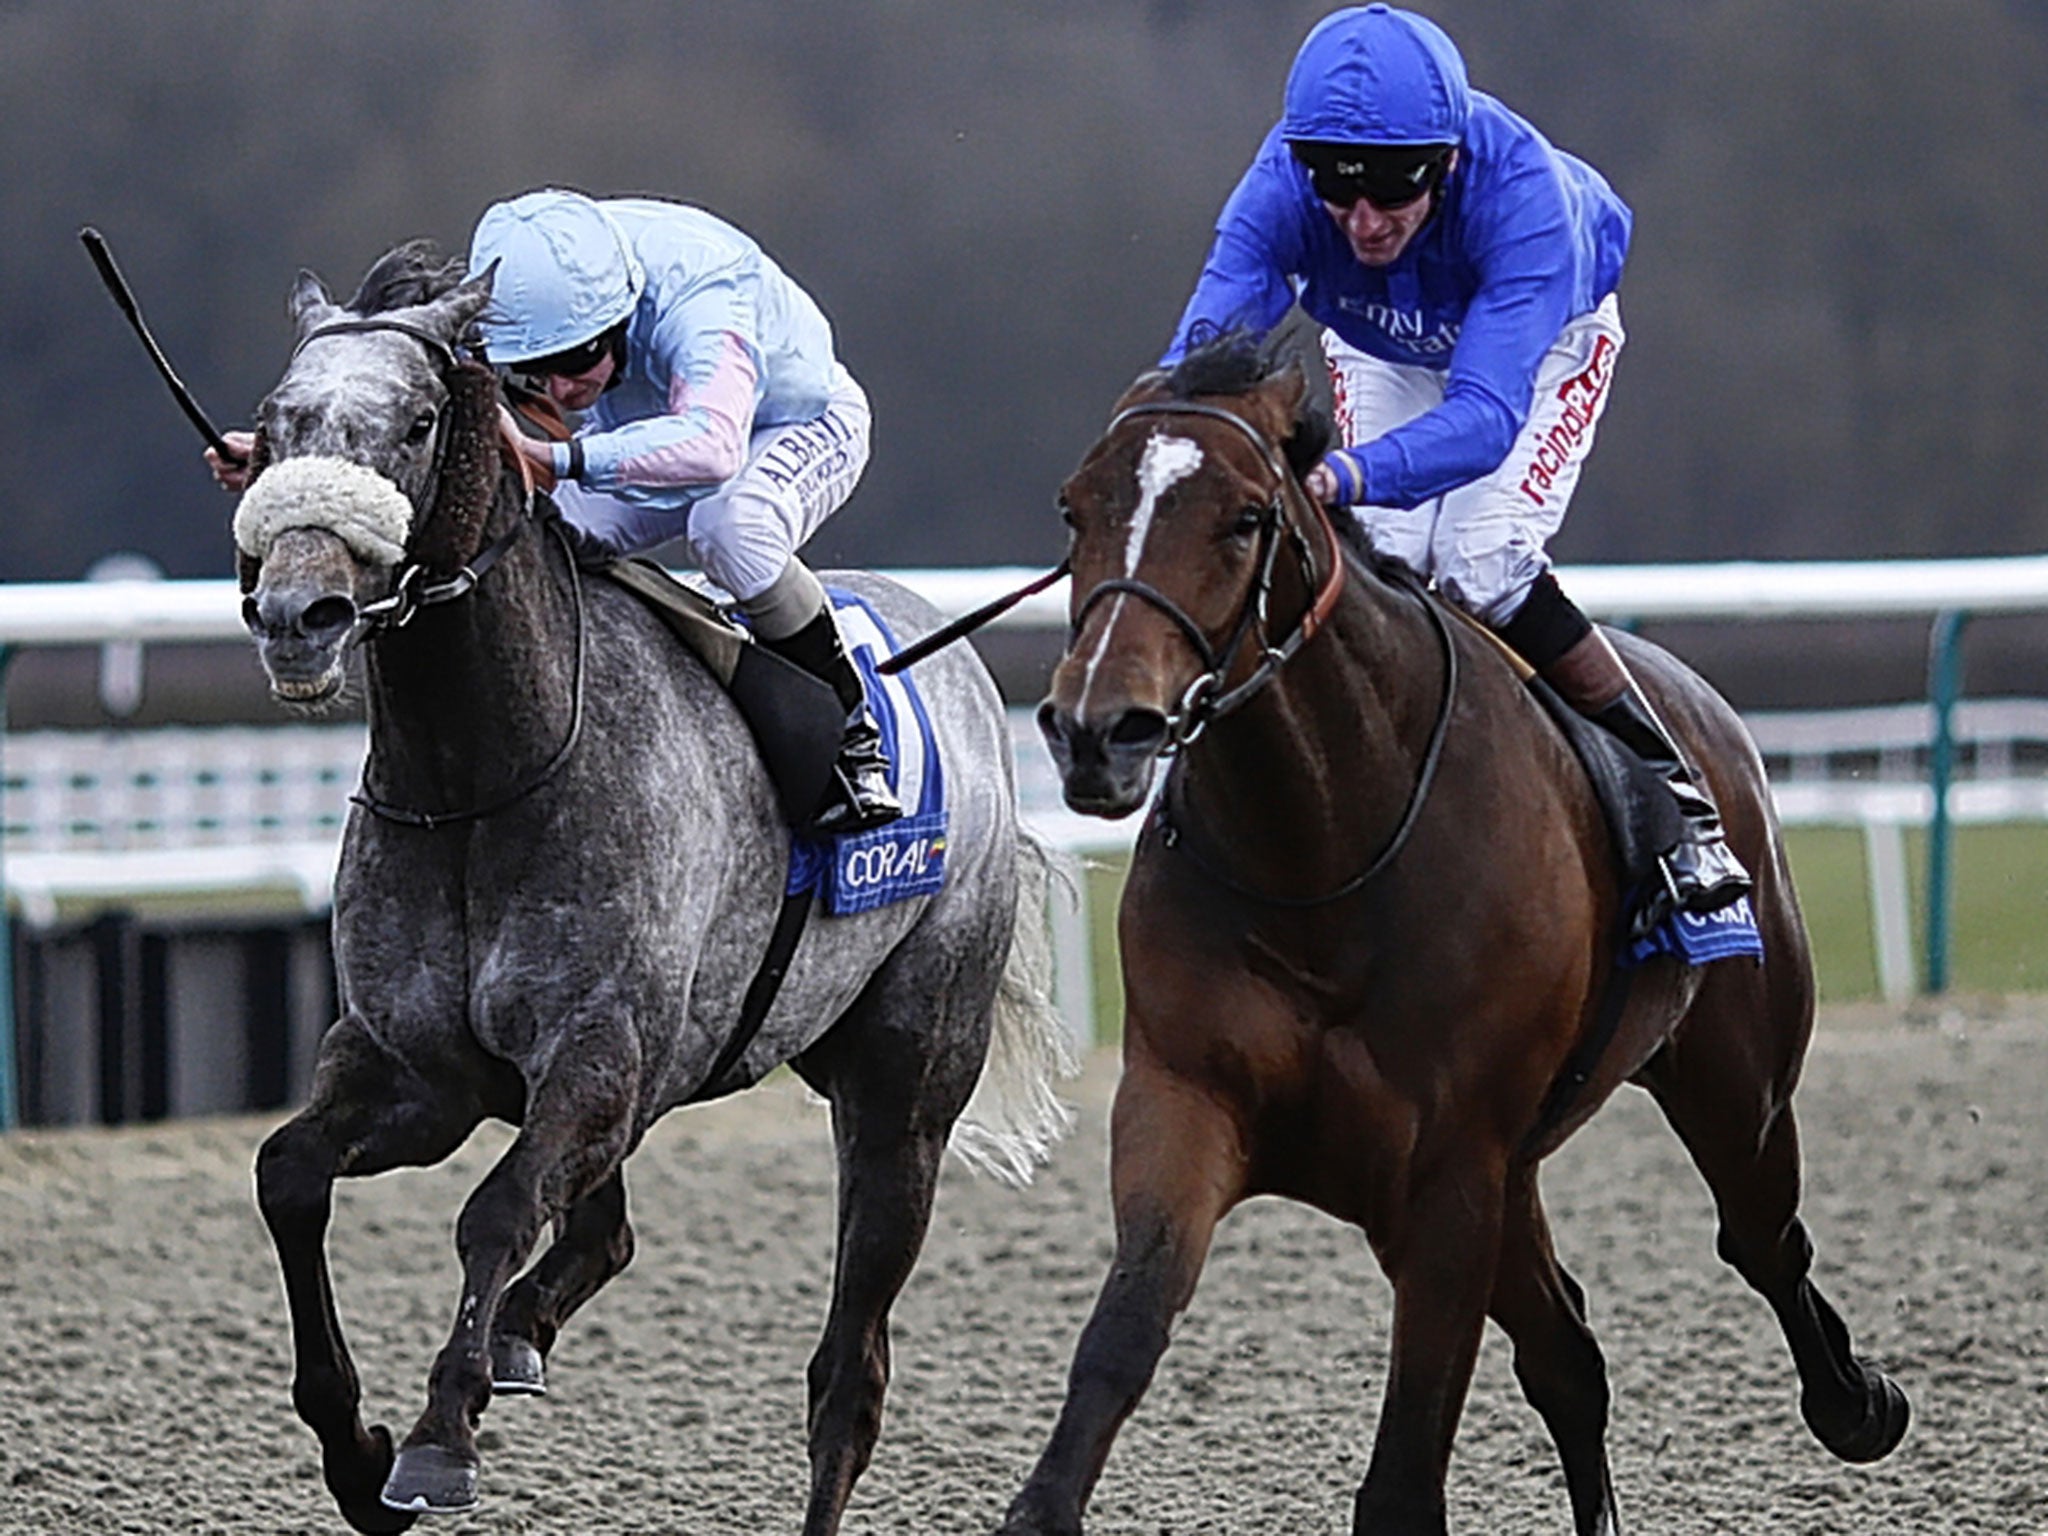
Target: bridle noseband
{"x":1206,"y":698}
{"x":412,"y":592}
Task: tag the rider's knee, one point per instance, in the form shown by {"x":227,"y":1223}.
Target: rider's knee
{"x":1545,"y":625}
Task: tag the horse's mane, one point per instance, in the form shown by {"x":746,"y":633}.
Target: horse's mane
{"x":416,"y":272}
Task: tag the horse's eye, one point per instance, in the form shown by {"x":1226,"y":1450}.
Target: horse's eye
{"x":1247,"y":522}
{"x":422,"y":428}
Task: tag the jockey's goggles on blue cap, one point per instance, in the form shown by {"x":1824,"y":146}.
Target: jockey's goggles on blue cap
{"x":1388,"y":176}
{"x":570,"y":361}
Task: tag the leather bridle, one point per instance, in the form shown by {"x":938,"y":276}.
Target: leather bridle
{"x":412,"y":591}
{"x":1206,"y":698}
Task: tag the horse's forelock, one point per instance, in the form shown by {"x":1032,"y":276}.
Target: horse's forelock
{"x":1225,"y":363}
{"x":407,"y":275}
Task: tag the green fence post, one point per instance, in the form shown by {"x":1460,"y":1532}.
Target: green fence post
{"x":10,"y":1111}
{"x":1944,"y":684}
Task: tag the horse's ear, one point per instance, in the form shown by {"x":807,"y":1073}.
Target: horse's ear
{"x":310,"y":303}
{"x":1147,"y":385}
{"x":1309,"y":433}
{"x":456,"y":310}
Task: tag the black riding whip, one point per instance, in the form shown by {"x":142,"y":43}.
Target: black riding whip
{"x":939,"y":639}
{"x":117,"y":285}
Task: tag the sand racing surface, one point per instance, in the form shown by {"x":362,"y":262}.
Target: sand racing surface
{"x":146,"y":1378}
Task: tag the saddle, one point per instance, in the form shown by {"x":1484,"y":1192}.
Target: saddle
{"x":796,"y":719}
{"x":1643,"y":821}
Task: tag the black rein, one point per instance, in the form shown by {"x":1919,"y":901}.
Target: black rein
{"x":1205,"y":699}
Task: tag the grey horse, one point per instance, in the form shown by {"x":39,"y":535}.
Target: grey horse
{"x":556,"y":887}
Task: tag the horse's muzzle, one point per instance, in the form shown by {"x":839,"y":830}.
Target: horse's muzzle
{"x":1105,"y":765}
{"x":302,"y":625}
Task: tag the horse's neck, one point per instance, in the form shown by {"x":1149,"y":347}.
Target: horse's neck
{"x":479,"y":690}
{"x":1316,"y":771}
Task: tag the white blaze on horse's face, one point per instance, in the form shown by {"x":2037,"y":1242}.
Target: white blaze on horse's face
{"x":1165,"y":462}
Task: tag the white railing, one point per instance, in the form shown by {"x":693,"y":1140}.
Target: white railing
{"x":118,"y":613}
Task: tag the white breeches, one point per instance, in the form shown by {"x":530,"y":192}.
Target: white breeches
{"x":1483,"y":543}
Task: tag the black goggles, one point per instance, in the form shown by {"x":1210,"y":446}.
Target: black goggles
{"x":570,"y":361}
{"x":1387,"y":176}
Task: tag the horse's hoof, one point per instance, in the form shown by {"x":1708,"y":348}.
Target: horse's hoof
{"x":376,"y":1520}
{"x":1873,"y":1432}
{"x":517,"y":1369}
{"x":355,"y":1473}
{"x":426,"y":1480}
{"x":1026,"y":1517}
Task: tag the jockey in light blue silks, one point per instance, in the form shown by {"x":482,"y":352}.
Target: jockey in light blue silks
{"x":714,"y":410}
{"x":1464,"y":271}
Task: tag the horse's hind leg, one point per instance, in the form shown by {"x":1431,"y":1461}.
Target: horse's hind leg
{"x":1557,"y":1360}
{"x":366,"y":1114}
{"x":895,"y":1092}
{"x":574,"y":1138}
{"x":1725,"y":1084}
{"x":1176,"y":1166}
{"x":594,"y":1242}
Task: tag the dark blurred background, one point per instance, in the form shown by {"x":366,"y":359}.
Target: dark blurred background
{"x":1837,"y":298}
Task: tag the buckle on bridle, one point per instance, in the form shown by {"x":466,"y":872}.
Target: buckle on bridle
{"x":1191,"y":715}
{"x":396,"y":610}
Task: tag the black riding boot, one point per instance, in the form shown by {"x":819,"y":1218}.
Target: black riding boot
{"x":860,"y":797}
{"x":1702,"y":873}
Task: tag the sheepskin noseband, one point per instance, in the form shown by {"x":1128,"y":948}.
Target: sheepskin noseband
{"x":354,"y":503}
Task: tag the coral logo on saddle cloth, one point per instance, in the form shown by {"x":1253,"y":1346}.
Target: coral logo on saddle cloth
{"x":1721,"y":935}
{"x":860,"y":871}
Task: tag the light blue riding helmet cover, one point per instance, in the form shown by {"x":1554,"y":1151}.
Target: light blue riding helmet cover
{"x":565,"y":273}
{"x":1376,"y":75}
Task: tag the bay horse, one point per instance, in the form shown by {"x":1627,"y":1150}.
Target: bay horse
{"x":558,"y":879}
{"x":1365,"y":940}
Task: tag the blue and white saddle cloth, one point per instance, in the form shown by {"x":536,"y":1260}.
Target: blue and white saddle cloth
{"x":858,"y":871}
{"x":1723,"y":935}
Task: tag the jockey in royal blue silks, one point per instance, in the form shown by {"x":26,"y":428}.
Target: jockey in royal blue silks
{"x":1464,"y":271}
{"x":714,"y":410}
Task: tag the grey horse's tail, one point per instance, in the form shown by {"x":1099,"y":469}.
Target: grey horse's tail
{"x":1016,"y":1117}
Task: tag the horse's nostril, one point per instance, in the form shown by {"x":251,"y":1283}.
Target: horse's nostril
{"x":252,"y":616}
{"x":1138,"y":730}
{"x":1050,"y":724}
{"x":326,"y":615}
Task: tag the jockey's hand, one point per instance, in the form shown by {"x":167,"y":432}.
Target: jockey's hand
{"x":539,"y":455}
{"x":1321,"y":483}
{"x":233,"y":477}
{"x":1338,"y":480}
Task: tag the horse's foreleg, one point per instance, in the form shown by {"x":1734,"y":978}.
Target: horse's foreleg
{"x":1441,"y":1255}
{"x":1718,"y":1086}
{"x":1176,"y":1166}
{"x":365,"y":1115}
{"x":1557,"y":1360}
{"x":594,"y":1244}
{"x":574,"y":1138}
